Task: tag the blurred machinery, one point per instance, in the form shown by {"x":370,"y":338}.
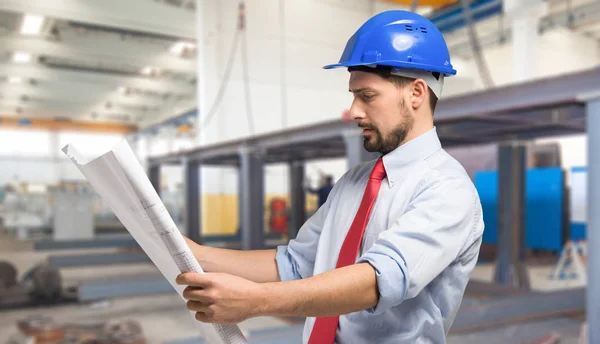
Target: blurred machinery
{"x":25,"y":213}
{"x":73,"y":215}
{"x":70,"y":210}
{"x":45,"y":330}
{"x":547,"y":201}
{"x":41,"y":285}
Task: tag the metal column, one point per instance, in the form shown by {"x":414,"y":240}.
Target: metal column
{"x":297,"y":197}
{"x":592,"y":232}
{"x":510,"y":269}
{"x":252,"y":208}
{"x":154,"y":176}
{"x":355,"y":150}
{"x":193,"y":223}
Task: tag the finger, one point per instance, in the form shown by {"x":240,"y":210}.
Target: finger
{"x":193,"y":279}
{"x":197,"y":294}
{"x":197,"y":306}
{"x":203,"y":317}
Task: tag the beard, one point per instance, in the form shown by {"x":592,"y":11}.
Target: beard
{"x":376,"y":142}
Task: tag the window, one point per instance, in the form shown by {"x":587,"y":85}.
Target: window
{"x":25,"y":143}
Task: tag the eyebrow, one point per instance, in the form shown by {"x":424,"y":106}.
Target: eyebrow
{"x":358,"y":90}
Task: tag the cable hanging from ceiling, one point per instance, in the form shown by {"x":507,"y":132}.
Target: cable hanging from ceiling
{"x":482,"y":67}
{"x":239,"y":34}
{"x":245,"y":69}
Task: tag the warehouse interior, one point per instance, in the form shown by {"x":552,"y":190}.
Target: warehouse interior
{"x":228,"y":110}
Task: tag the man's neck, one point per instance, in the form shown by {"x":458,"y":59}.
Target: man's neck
{"x":417,"y":130}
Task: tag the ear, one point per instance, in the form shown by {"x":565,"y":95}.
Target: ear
{"x":418,"y":92}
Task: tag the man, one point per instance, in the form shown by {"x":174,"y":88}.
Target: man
{"x":323,"y":191}
{"x":386,"y":259}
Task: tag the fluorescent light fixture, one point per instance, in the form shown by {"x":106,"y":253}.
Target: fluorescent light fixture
{"x":32,"y":24}
{"x":149,"y":71}
{"x":15,"y":80}
{"x":122,"y":89}
{"x":20,"y":57}
{"x":179,"y":47}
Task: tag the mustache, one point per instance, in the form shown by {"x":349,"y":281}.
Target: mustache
{"x":366,"y":126}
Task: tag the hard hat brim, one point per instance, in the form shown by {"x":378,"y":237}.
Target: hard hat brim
{"x":395,"y":64}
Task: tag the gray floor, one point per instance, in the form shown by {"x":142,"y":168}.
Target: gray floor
{"x":164,"y":318}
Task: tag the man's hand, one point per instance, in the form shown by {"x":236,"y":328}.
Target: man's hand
{"x":256,"y":265}
{"x":222,"y":298}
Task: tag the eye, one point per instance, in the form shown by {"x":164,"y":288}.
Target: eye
{"x":368,"y":97}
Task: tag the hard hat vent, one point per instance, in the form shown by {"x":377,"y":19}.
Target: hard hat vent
{"x":409,"y":27}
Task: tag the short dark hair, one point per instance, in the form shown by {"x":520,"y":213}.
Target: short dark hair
{"x":399,"y":81}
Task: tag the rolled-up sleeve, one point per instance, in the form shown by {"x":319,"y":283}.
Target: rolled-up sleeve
{"x":421,"y":243}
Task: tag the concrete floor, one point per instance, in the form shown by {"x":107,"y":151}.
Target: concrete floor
{"x":164,"y":317}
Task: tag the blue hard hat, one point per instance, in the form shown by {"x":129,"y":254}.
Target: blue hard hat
{"x":398,"y":39}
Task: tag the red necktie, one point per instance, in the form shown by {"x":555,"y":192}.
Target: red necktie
{"x":325,"y":328}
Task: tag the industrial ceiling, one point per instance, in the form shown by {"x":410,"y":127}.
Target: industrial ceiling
{"x":114,"y":61}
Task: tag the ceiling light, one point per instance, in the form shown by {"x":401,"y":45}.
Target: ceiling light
{"x":147,"y":70}
{"x":32,"y":24}
{"x":15,"y":80}
{"x":179,"y":47}
{"x":20,"y":57}
{"x":150,"y":71}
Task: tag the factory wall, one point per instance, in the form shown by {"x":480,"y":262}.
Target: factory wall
{"x":558,"y":51}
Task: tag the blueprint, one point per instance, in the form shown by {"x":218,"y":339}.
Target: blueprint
{"x":121,"y":181}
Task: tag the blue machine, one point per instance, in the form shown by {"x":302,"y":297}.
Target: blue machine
{"x":544,"y":207}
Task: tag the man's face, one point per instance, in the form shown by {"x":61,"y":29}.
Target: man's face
{"x":379,"y":109}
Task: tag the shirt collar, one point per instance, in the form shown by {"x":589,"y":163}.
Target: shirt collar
{"x":412,"y":151}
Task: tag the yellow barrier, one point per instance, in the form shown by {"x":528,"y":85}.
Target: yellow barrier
{"x":220,"y":212}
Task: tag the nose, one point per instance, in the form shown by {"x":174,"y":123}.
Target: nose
{"x":356,"y":113}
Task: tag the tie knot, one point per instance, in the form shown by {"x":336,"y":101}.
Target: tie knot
{"x":378,"y":171}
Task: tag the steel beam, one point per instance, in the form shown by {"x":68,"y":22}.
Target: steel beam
{"x":593,"y":227}
{"x":193,"y":222}
{"x":535,"y":94}
{"x":40,"y":72}
{"x":251,"y":199}
{"x":355,"y":150}
{"x":519,"y":309}
{"x":123,"y":286}
{"x":138,"y":54}
{"x":477,"y":288}
{"x":510,"y":270}
{"x":112,"y":241}
{"x":528,"y":99}
{"x":79,"y":260}
{"x":130,"y":15}
{"x":297,"y":196}
{"x":154,"y":176}
{"x":55,"y":103}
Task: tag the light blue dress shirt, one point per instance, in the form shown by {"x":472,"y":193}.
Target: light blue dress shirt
{"x":423,"y":240}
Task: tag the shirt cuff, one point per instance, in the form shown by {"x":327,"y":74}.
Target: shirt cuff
{"x":392,"y":281}
{"x":285,"y":264}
